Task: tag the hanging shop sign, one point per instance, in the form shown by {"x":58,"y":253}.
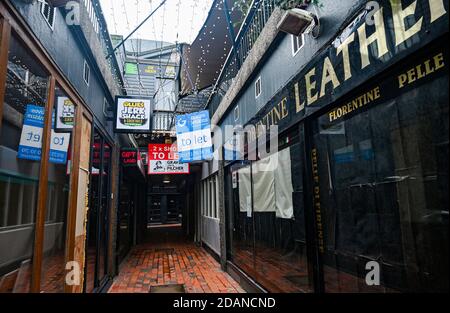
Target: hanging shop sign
{"x":30,"y":146}
{"x":65,"y":115}
{"x":361,"y":51}
{"x":130,"y":157}
{"x":133,"y":115}
{"x":163,"y":159}
{"x":194,"y":137}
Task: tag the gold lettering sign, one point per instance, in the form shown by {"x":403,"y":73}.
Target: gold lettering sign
{"x":355,"y":104}
{"x":422,"y":70}
{"x":310,"y":88}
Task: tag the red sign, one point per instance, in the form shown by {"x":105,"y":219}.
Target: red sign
{"x":163,"y":160}
{"x":129,"y":157}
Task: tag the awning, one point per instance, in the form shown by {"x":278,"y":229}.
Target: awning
{"x":203,"y":60}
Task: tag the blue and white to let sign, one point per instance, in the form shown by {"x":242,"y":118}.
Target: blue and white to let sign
{"x":30,"y":147}
{"x":194,"y":137}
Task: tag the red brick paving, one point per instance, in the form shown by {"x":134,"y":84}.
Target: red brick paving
{"x":172,"y":261}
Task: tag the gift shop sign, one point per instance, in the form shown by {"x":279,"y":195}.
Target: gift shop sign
{"x":163,"y":160}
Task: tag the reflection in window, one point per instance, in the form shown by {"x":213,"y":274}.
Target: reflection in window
{"x":26,"y":91}
{"x":267,"y":220}
{"x":59,"y":171}
{"x":384,"y":182}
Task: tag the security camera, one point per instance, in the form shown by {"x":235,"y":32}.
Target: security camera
{"x":298,"y":22}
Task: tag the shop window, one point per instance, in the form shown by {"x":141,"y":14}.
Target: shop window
{"x":59,"y":172}
{"x":86,"y":73}
{"x":384,"y":193}
{"x":48,"y":12}
{"x":267,"y":220}
{"x":297,"y":43}
{"x":258,"y":88}
{"x":98,"y":218}
{"x":105,"y":107}
{"x":21,"y":137}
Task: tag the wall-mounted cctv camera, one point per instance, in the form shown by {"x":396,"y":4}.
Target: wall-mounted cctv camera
{"x":298,"y":22}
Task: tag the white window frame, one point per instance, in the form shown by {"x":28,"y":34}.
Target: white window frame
{"x":295,"y":38}
{"x":105,"y":107}
{"x":259,"y":80}
{"x":86,"y":65}
{"x":46,"y":18}
{"x":236,"y":113}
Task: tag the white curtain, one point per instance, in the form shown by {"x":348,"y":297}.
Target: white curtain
{"x":283,"y":185}
{"x":244,"y":189}
{"x":264,"y":186}
{"x":272,"y":186}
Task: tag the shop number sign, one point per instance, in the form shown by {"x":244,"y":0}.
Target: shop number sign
{"x":30,"y":147}
{"x":163,"y":160}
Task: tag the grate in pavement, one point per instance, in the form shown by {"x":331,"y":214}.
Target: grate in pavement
{"x":168,"y":289}
{"x":165,"y":250}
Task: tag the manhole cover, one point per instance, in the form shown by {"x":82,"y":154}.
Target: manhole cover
{"x":168,"y":289}
{"x":165,"y":250}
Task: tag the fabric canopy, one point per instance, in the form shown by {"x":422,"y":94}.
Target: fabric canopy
{"x":203,"y":60}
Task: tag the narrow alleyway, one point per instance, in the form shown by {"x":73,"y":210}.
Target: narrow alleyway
{"x":170,"y":261}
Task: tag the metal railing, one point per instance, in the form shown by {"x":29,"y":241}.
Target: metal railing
{"x":251,"y":28}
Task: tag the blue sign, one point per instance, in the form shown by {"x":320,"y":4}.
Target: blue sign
{"x":194,"y":137}
{"x":30,"y":147}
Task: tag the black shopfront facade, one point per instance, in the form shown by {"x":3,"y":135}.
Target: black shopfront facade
{"x":362,"y":176}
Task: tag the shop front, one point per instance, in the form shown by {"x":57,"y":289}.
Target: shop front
{"x":45,"y":148}
{"x":131,"y":197}
{"x":355,"y":199}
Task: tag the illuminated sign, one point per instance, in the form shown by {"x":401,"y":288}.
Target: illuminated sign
{"x":129,"y":157}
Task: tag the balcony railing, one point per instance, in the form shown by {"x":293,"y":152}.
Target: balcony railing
{"x":251,"y":28}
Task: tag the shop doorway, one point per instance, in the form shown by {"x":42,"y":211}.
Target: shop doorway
{"x":164,"y":209}
{"x":98,"y":217}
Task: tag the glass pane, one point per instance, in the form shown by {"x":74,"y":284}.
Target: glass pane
{"x":92,"y":237}
{"x":241,"y":218}
{"x":384,"y":193}
{"x":280,"y":249}
{"x":59,"y":171}
{"x":104,"y":214}
{"x":20,"y":154}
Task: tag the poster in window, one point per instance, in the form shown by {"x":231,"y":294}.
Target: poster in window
{"x":133,"y":115}
{"x":65,"y":115}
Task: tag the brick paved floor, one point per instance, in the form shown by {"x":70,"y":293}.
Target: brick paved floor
{"x":168,"y":260}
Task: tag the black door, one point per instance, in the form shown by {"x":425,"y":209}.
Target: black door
{"x":98,"y":217}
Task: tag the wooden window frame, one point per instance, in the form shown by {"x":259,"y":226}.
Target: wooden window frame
{"x":11,"y":20}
